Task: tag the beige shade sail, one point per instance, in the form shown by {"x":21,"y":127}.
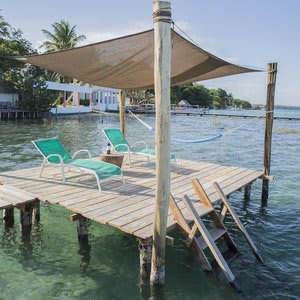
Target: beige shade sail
{"x":127,"y":62}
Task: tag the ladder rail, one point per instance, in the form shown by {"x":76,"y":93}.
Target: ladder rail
{"x":194,"y":245}
{"x":209,"y":241}
{"x":237,"y":221}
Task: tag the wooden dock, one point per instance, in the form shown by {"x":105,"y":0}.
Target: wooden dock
{"x":14,"y":114}
{"x":129,"y":208}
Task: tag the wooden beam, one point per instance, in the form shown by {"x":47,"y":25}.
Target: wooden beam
{"x":272,"y":72}
{"x":145,"y":249}
{"x":162,"y":74}
{"x":36,"y":211}
{"x":82,"y":230}
{"x":8,"y":217}
{"x":238,"y":221}
{"x":186,"y":229}
{"x":122,"y":94}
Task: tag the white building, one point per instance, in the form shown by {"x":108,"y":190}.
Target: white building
{"x":100,"y":98}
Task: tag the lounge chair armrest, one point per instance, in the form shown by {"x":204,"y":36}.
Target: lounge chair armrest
{"x":79,"y":151}
{"x":115,"y":147}
{"x":54,"y":155}
{"x":140,"y":142}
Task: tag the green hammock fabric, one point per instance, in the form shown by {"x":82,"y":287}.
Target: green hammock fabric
{"x":53,"y":146}
{"x":103,"y":170}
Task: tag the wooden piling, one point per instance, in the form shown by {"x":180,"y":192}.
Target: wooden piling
{"x":36,"y":211}
{"x":122,"y":111}
{"x":247,"y":191}
{"x":272,"y":72}
{"x":145,"y":249}
{"x":26,"y":210}
{"x":8,"y":217}
{"x":82,"y":229}
{"x":162,"y":74}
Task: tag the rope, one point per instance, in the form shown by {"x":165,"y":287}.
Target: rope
{"x":198,"y":140}
{"x":173,"y":138}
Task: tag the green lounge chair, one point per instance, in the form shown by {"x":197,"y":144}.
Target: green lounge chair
{"x":119,"y":144}
{"x":55,"y":154}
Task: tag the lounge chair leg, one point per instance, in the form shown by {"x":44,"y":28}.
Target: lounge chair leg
{"x":63,"y":174}
{"x":98,"y":183}
{"x":123,"y":180}
{"x":129,"y":159}
{"x":175,"y":161}
{"x":42,"y":167}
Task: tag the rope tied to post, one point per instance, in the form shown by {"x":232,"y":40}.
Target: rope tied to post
{"x":162,"y":15}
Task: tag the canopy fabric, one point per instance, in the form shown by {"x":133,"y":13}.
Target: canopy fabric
{"x":128,"y":62}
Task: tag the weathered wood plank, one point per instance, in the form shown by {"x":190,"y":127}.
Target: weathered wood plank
{"x":130,"y":206}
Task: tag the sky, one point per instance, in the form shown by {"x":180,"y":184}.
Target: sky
{"x":248,"y":33}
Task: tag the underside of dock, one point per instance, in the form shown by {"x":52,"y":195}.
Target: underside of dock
{"x":129,"y":208}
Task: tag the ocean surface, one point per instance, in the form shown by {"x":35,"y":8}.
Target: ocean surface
{"x":50,"y":265}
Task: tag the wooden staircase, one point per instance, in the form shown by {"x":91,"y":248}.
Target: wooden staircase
{"x":199,"y":237}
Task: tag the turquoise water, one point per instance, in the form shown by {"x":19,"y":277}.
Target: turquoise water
{"x":50,"y":264}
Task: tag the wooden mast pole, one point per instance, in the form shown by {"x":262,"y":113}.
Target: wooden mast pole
{"x":162,"y":82}
{"x":122,"y":111}
{"x":272,"y":72}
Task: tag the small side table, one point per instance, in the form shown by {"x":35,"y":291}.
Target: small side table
{"x":115,"y":159}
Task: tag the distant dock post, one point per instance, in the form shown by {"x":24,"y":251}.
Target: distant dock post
{"x":272,"y":72}
{"x":122,"y":94}
{"x":162,"y":82}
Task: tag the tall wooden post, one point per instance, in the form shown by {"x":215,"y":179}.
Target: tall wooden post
{"x":91,"y":100}
{"x":162,"y":74}
{"x":272,"y":72}
{"x":122,"y":111}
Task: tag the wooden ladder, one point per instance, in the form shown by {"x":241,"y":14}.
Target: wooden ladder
{"x":208,"y":237}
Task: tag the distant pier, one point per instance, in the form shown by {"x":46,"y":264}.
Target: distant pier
{"x":14,"y":114}
{"x":204,"y":114}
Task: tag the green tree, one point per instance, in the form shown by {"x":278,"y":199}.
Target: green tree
{"x":63,"y":37}
{"x":29,"y":83}
{"x":241,"y":103}
{"x":140,"y":96}
{"x":197,"y":95}
{"x":12,"y":43}
{"x":220,"y":98}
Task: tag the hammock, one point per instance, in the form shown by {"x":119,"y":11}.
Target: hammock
{"x":174,"y":138}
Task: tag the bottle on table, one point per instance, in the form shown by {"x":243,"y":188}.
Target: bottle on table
{"x":108,"y":148}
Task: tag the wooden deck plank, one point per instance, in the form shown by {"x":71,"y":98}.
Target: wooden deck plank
{"x":146,"y":220}
{"x":144,"y":192}
{"x":129,"y":208}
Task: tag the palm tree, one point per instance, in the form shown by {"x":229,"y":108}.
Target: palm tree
{"x":63,"y":37}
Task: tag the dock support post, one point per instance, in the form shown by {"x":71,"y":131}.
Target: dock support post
{"x":145,"y":249}
{"x":26,"y":210}
{"x":82,"y":229}
{"x":36,"y":211}
{"x":8,"y":217}
{"x":247,"y":191}
{"x":122,"y":94}
{"x":162,"y":74}
{"x":272,"y":72}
